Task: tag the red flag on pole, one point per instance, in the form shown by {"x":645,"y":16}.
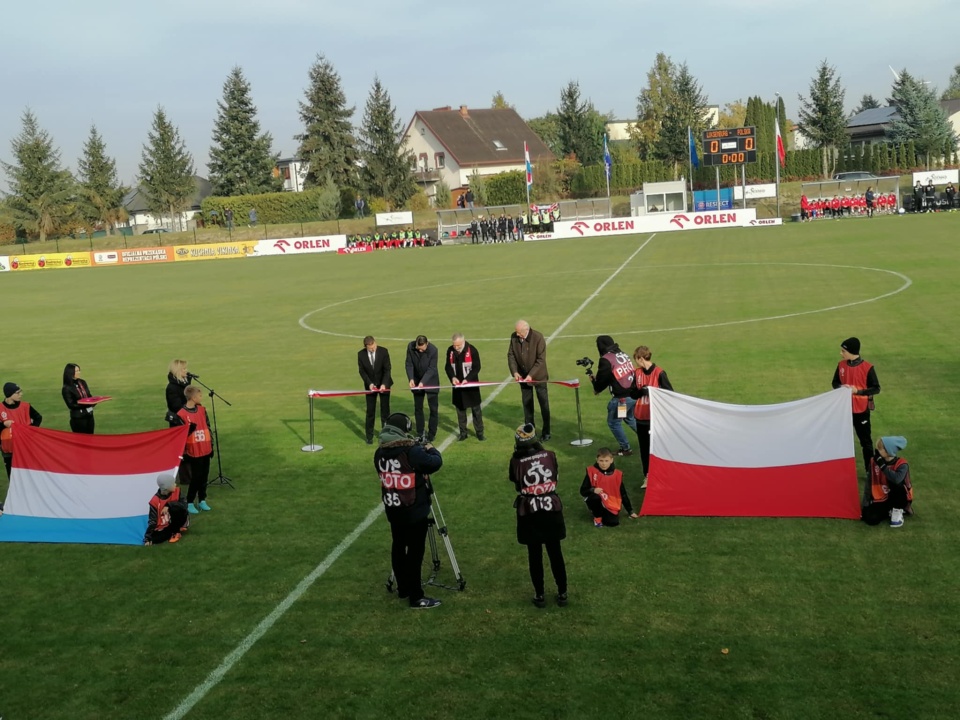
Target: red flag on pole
{"x":781,"y":153}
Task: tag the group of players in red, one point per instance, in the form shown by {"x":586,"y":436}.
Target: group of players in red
{"x":837,"y":206}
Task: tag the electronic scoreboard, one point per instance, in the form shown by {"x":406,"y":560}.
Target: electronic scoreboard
{"x":730,"y":146}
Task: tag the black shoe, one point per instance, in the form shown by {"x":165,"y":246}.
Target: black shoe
{"x":562,"y":599}
{"x":463,"y":436}
{"x":425,"y":603}
{"x":539,"y":601}
{"x":481,"y":438}
{"x":430,"y":438}
{"x":369,"y":441}
{"x":545,"y":437}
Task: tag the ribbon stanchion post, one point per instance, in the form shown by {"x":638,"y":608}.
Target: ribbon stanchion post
{"x":581,"y":441}
{"x":312,"y":447}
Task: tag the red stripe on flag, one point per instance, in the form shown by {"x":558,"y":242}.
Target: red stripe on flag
{"x":80,"y":454}
{"x":825,"y":489}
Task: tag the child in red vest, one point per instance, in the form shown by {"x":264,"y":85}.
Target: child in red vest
{"x":195,"y":468}
{"x":168,"y":513}
{"x":891,"y":492}
{"x":603,"y":491}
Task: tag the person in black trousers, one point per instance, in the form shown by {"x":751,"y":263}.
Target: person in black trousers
{"x":74,"y":390}
{"x":404,"y":467}
{"x":534,"y":473}
{"x":374,"y":365}
{"x":422,"y":372}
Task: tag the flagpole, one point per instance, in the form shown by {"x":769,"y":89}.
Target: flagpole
{"x":776,"y":150}
{"x":690,"y":160}
{"x":606,"y":171}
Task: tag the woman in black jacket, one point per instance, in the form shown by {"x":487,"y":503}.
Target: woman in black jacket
{"x":74,"y":390}
{"x":177,"y":380}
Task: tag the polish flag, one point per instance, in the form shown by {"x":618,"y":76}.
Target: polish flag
{"x":781,"y":153}
{"x":794,"y":459}
{"x":76,"y":488}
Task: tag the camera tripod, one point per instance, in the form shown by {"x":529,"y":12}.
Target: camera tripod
{"x":434,"y":529}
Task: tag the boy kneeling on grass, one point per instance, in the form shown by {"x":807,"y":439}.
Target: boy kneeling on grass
{"x":168,"y":513}
{"x":891,"y":492}
{"x":603,"y":491}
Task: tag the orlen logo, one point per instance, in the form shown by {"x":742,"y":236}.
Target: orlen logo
{"x":603,"y":227}
{"x":765,"y":221}
{"x":580,"y":226}
{"x":282,"y":245}
{"x":704,"y":219}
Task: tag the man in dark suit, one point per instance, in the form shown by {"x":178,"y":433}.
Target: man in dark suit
{"x":374,"y":365}
{"x":422,"y":372}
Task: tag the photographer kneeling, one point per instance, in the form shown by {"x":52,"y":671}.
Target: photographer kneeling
{"x":615,"y":372}
{"x":404,"y":467}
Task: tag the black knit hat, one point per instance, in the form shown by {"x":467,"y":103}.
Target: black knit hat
{"x":851,"y":345}
{"x":9,"y":389}
{"x":526,"y":436}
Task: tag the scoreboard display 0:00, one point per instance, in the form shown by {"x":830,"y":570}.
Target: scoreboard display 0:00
{"x":730,"y":146}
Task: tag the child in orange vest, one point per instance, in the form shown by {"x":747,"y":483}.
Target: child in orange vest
{"x":891,"y":492}
{"x":603,"y":491}
{"x":195,"y":468}
{"x":168,"y":513}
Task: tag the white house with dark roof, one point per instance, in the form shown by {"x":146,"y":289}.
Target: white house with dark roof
{"x":870,"y":126}
{"x":141,"y":219}
{"x":450,"y":145}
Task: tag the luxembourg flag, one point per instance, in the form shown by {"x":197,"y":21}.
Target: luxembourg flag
{"x":526,"y":157}
{"x":793,"y":459}
{"x":75,"y":488}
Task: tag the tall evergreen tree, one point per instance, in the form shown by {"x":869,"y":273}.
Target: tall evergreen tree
{"x":166,"y":169}
{"x":41,"y":191}
{"x":580,"y":126}
{"x":547,"y":129}
{"x":386,"y":169}
{"x":688,"y":109}
{"x":920,"y":119}
{"x":652,"y":104}
{"x":100,"y":194}
{"x":327,"y":144}
{"x":821,"y":117}
{"x":867,"y":102}
{"x":953,"y":85}
{"x":241,"y":159}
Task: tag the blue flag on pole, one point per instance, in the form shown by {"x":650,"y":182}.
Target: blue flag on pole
{"x":606,"y":156}
{"x":694,"y":160}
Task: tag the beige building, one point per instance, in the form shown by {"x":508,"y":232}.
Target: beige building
{"x":451,"y":144}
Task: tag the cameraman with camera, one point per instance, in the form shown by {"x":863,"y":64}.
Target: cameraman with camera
{"x":614,"y":372}
{"x":404,"y":467}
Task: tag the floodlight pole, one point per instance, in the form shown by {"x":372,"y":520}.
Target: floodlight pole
{"x":776,"y":151}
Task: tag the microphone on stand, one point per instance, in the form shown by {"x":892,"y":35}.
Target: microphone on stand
{"x":192,"y":376}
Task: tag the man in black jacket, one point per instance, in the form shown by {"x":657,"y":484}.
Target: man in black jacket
{"x":374,"y":365}
{"x":422,"y":372}
{"x":404,"y":468}
{"x":615,"y":373}
{"x":463,"y":366}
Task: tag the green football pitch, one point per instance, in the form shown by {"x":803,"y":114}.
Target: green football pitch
{"x":274,"y":605}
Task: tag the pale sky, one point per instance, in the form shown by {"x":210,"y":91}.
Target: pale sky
{"x":111,"y":63}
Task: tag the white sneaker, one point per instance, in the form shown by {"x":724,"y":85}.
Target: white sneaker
{"x":896,"y":518}
{"x":644,"y":486}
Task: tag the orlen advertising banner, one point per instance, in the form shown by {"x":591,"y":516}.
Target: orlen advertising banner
{"x":133,"y":256}
{"x":214,"y":251}
{"x":51,"y":261}
{"x":939,"y":177}
{"x":659,"y":222}
{"x":297,"y":246}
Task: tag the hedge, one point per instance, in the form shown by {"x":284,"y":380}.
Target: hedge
{"x":272,"y":208}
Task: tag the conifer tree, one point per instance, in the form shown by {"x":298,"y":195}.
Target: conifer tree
{"x":327,"y":144}
{"x":386,"y":170}
{"x":652,"y":104}
{"x":920,"y":119}
{"x":241,"y":159}
{"x":687,"y":111}
{"x":821,"y":117}
{"x":100,"y":194}
{"x":41,"y":191}
{"x":166,"y":169}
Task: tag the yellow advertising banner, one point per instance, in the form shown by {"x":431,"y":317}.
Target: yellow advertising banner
{"x":51,"y":261}
{"x":214,"y":251}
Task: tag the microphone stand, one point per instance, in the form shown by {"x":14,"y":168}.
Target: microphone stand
{"x":220,"y":479}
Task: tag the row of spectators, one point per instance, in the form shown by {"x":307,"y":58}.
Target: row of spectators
{"x":925,"y":198}
{"x":500,"y":229}
{"x":395,"y":239}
